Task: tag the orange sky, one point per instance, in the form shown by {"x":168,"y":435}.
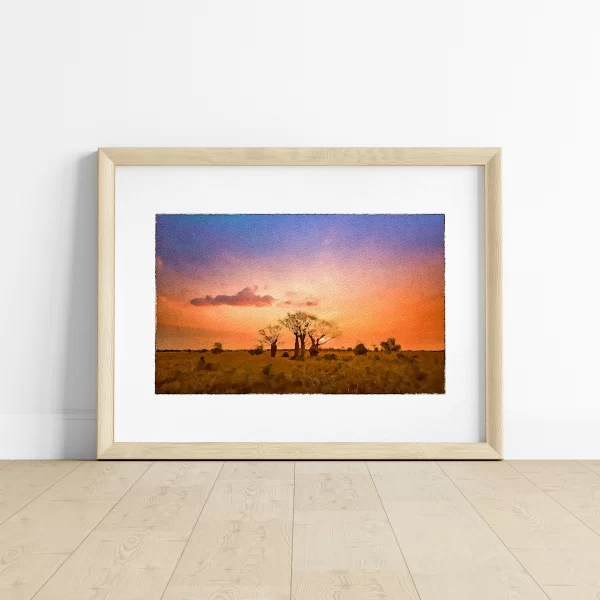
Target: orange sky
{"x":222,"y":279}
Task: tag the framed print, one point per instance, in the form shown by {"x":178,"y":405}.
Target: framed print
{"x":299,"y":303}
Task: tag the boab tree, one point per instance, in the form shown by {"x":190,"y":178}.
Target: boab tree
{"x":320,"y":332}
{"x":271,"y":335}
{"x":390,"y":346}
{"x":298,"y":323}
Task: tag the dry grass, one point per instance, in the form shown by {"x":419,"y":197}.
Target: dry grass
{"x":237,"y":372}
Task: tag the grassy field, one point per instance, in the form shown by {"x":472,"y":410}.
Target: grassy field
{"x":332,"y":372}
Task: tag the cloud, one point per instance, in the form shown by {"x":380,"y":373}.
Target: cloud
{"x":293,"y":300}
{"x":246,"y":297}
{"x":311,"y":302}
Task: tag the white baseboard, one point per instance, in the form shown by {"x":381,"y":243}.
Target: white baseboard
{"x":552,"y":435}
{"x":66,"y":434}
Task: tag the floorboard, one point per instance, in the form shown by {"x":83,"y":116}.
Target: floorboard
{"x":23,"y":481}
{"x":133,"y":551}
{"x":40,"y":537}
{"x":552,"y":544}
{"x":451,"y":552}
{"x":570,"y":483}
{"x":592,"y":465}
{"x":241,"y":545}
{"x":344,"y":546}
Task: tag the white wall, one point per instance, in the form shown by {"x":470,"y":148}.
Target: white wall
{"x":522,"y":74}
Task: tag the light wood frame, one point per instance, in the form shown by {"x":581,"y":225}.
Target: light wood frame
{"x":110,"y":158}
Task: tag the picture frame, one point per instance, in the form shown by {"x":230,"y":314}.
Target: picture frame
{"x":111,"y":158}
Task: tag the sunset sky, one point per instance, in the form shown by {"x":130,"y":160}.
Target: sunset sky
{"x":221,"y":278}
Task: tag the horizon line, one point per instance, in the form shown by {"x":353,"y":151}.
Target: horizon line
{"x":266,"y":346}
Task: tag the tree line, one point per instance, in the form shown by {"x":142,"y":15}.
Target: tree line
{"x":319,"y":332}
{"x":301,"y":325}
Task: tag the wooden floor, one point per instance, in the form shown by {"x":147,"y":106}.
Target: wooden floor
{"x":304,"y":531}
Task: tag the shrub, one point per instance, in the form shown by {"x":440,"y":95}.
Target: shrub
{"x":202,"y":365}
{"x":404,"y":357}
{"x":390,"y":345}
{"x":329,"y":357}
{"x":267,"y":370}
{"x":376,"y":357}
{"x":203,"y":350}
{"x":256,"y":351}
{"x":218,"y":348}
{"x":286,"y":355}
{"x":360,"y":349}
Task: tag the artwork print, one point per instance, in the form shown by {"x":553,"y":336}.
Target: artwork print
{"x":300,"y":304}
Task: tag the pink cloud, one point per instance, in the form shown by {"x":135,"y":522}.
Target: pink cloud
{"x":245,"y":297}
{"x":293,"y":300}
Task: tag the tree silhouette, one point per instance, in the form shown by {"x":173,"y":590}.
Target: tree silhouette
{"x":271,"y":335}
{"x":320,"y":332}
{"x":390,"y":346}
{"x":298,"y":323}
